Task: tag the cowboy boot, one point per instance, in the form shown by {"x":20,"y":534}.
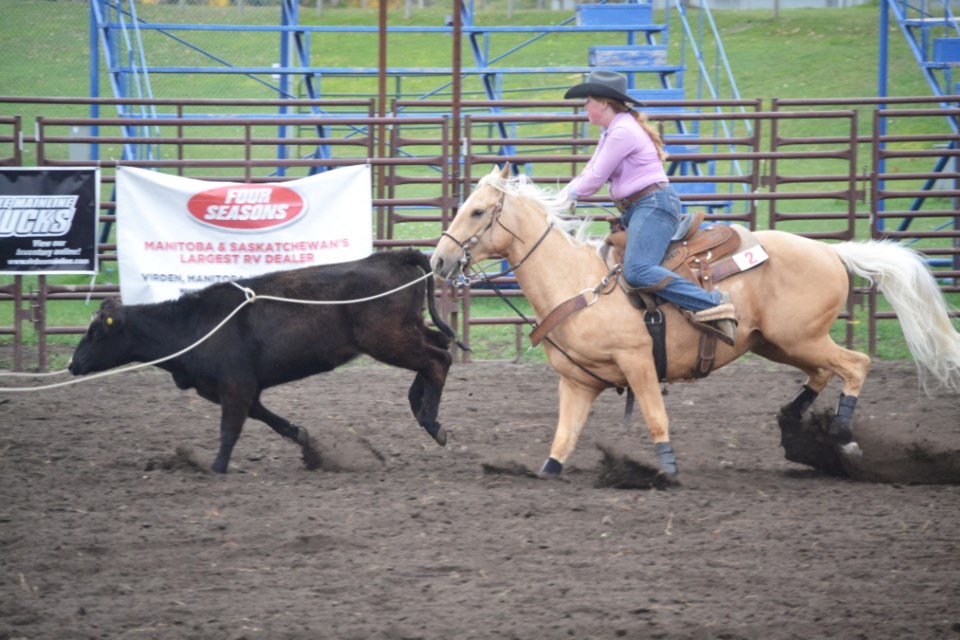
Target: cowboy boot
{"x":720,"y":320}
{"x":728,"y":326}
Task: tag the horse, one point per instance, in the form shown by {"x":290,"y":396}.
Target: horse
{"x":786,"y":307}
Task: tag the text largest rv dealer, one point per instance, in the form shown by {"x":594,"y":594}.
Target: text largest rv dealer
{"x":238,"y":258}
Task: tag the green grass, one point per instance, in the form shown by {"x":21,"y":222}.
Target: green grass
{"x":805,"y":53}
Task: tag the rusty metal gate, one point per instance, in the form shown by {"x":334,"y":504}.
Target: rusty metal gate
{"x":830,"y":170}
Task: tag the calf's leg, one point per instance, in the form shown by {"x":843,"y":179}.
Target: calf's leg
{"x":232,"y":417}
{"x":236,"y":394}
{"x":415,"y":395}
{"x":411,"y":350}
{"x":311,"y":457}
{"x":431,"y":380}
{"x":425,"y":392}
{"x":417,"y":390}
{"x":427,"y":387}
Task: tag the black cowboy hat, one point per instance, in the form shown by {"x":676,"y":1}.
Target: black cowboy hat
{"x":602,"y":84}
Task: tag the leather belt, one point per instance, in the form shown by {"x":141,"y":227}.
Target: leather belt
{"x":624,"y":203}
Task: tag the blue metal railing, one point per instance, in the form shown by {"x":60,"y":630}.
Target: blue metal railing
{"x":932,"y":33}
{"x":126,"y":59}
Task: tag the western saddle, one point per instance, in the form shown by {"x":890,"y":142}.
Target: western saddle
{"x":704,"y":256}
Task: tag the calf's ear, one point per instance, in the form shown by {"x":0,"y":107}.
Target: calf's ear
{"x":111,"y":305}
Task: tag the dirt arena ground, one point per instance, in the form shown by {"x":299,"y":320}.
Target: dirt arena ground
{"x":108,"y":528}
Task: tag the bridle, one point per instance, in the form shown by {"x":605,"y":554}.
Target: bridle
{"x":463,"y":281}
{"x":465,"y":259}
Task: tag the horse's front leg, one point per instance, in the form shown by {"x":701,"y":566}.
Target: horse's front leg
{"x":655,"y":415}
{"x":575,"y":403}
{"x":642,"y":377}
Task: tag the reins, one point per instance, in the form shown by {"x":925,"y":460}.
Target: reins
{"x":578,"y":302}
{"x":533,"y":323}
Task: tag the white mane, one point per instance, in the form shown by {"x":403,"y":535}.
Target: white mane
{"x":554,"y":203}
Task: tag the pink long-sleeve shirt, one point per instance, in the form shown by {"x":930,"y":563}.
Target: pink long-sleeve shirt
{"x":625,"y":157}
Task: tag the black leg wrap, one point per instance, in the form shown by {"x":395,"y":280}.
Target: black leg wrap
{"x":551,"y":468}
{"x":841,"y":431}
{"x":668,"y":462}
{"x":796,"y":408}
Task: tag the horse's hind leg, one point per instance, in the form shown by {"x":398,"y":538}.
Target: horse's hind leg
{"x":821,"y":360}
{"x":817,"y":379}
{"x":798,"y":406}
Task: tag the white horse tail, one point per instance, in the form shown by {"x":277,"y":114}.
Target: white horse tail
{"x":909,"y":286}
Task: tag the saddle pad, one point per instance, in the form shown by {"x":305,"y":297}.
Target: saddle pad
{"x":750,"y":254}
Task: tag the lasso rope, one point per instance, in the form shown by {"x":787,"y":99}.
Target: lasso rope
{"x":250,"y":297}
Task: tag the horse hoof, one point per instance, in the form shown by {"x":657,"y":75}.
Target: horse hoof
{"x":841,"y":431}
{"x":851,"y":450}
{"x":669,"y":470}
{"x":665,"y":480}
{"x":551,"y":469}
{"x":840,"y":435}
{"x":666,"y":459}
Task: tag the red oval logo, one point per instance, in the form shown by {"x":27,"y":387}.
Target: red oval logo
{"x":247,"y":207}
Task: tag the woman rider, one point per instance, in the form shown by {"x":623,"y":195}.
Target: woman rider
{"x":629,"y":156}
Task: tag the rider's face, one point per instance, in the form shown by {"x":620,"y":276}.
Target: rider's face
{"x":598,"y":111}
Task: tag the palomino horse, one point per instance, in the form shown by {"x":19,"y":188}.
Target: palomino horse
{"x":786,"y":307}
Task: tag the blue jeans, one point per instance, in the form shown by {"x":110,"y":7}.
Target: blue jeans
{"x":651,"y":222}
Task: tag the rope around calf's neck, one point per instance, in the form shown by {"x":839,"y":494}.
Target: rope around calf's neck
{"x":250,"y":297}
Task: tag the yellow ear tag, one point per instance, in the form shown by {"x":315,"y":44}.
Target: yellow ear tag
{"x":109,"y":321}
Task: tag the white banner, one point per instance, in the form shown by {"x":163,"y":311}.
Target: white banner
{"x":177,"y":234}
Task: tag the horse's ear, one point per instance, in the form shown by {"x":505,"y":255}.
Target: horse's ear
{"x":505,"y":172}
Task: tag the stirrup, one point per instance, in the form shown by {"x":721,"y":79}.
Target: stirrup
{"x":723,"y":311}
{"x":726,"y":331}
{"x":720,"y":321}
